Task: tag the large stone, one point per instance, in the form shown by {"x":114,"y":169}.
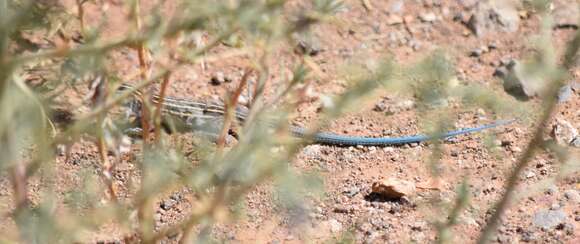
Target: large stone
{"x":566,"y":14}
{"x":394,"y":188}
{"x":518,"y":82}
{"x":494,"y":16}
{"x":563,"y":132}
{"x":549,"y":218}
{"x":573,"y":196}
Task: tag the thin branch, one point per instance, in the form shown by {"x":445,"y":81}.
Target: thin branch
{"x":81,"y":16}
{"x":230,"y":108}
{"x":18,"y":179}
{"x":107,"y":168}
{"x":159,"y":106}
{"x":549,"y":107}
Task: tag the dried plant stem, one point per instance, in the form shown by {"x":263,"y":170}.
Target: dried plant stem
{"x":17,"y":176}
{"x":81,"y":16}
{"x":549,"y":107}
{"x":98,"y":98}
{"x":367,"y":5}
{"x":145,"y":208}
{"x":107,"y":168}
{"x":19,"y":186}
{"x":231,"y":105}
{"x":159,"y":106}
{"x":144,"y":68}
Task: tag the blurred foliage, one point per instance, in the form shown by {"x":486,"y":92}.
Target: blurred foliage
{"x":44,"y":52}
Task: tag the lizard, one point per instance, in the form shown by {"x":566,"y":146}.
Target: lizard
{"x":196,"y":115}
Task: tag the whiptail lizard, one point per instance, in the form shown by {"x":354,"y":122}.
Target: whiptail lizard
{"x":198,"y":115}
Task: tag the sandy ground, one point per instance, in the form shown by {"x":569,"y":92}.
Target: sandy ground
{"x":345,"y":208}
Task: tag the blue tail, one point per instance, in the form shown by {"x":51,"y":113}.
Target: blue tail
{"x":339,"y":140}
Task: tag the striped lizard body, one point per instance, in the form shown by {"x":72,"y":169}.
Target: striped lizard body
{"x":199,"y":116}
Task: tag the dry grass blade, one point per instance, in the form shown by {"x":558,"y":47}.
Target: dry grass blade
{"x":230,"y":107}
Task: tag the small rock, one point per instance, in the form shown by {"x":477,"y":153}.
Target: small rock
{"x":307,"y":44}
{"x":476,"y":53}
{"x":528,"y":236}
{"x":501,"y":72}
{"x":549,"y":218}
{"x":418,"y":226}
{"x":415,"y":44}
{"x":489,"y":17}
{"x":504,"y":238}
{"x":335,"y":226}
{"x":219,"y":78}
{"x":397,"y":6}
{"x":61,"y":149}
{"x":393,"y":188}
{"x":505,"y":143}
{"x":467,"y":3}
{"x":168,"y":204}
{"x":575,"y":85}
{"x":572,"y":195}
{"x":563,"y":132}
{"x":564,"y":15}
{"x":312,"y":151}
{"x":530,"y":174}
{"x":575,"y":142}
{"x":352,"y":191}
{"x":565,"y":93}
{"x":552,"y":190}
{"x":428,"y":17}
{"x":394,"y":19}
{"x":518,"y":82}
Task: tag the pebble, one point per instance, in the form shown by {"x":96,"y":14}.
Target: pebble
{"x":489,"y":17}
{"x":307,"y":45}
{"x":565,"y":16}
{"x":530,"y":174}
{"x":352,"y":191}
{"x":397,"y":6}
{"x":565,"y":93}
{"x":393,"y":188}
{"x":575,"y":142}
{"x":572,"y":195}
{"x":528,"y":236}
{"x":418,"y":226}
{"x":563,"y":132}
{"x":219,"y":78}
{"x":549,"y":218}
{"x":575,"y":85}
{"x":428,"y":17}
{"x":394,"y":20}
{"x":312,"y":151}
{"x":168,"y":204}
{"x":517,"y":82}
{"x":552,"y":190}
{"x":335,"y":226}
